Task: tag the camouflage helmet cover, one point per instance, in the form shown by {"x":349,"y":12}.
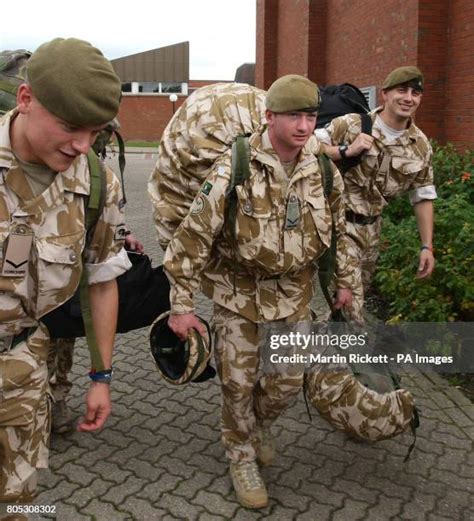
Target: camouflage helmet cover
{"x":178,"y":361}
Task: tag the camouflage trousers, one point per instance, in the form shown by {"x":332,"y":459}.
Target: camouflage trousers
{"x":249,"y":398}
{"x":363,"y":245}
{"x":24,"y":417}
{"x":60,"y":357}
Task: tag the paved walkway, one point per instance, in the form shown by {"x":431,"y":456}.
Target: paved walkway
{"x":160,"y":458}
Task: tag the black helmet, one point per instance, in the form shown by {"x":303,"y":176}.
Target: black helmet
{"x":178,"y":361}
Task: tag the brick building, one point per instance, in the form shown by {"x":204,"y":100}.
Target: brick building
{"x":148,"y":79}
{"x":331,"y":41}
{"x":360,"y":41}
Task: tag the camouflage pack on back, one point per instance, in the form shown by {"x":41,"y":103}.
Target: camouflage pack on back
{"x":12,"y":74}
{"x":202,"y":129}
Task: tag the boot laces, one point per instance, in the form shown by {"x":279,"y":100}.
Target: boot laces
{"x":249,"y":475}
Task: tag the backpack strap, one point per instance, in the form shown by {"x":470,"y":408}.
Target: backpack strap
{"x":326,"y":169}
{"x":96,"y":202}
{"x":366,"y":124}
{"x":121,"y":161}
{"x":240,"y":171}
{"x":327,"y":262}
{"x":349,"y":162}
{"x":93,"y":210}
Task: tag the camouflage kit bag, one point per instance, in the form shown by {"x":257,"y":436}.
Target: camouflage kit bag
{"x":12,"y":75}
{"x":202,"y":129}
{"x":342,"y":400}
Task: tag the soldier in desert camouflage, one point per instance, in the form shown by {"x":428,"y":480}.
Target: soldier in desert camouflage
{"x":396,"y":160}
{"x":71,"y":93}
{"x":262,"y":273}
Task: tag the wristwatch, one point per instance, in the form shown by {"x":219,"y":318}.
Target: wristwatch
{"x":343,"y":151}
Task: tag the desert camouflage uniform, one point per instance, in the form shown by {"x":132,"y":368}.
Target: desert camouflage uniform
{"x":264,"y":274}
{"x":388,"y":169}
{"x":60,"y":359}
{"x":56,"y":219}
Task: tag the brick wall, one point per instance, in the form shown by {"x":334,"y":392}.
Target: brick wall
{"x":361,"y":42}
{"x":145,"y":117}
{"x":292,"y":43}
{"x":433,"y":16}
{"x":266,"y":51}
{"x":459,"y":118}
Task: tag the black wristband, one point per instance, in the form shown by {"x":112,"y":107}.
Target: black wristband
{"x":343,"y":151}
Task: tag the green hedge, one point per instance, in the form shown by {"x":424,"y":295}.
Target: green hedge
{"x":449,"y":294}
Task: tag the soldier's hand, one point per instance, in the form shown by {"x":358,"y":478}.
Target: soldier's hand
{"x":133,"y":244}
{"x":425,"y":264}
{"x":181,"y":324}
{"x":362,"y":143}
{"x":98,"y":407}
{"x":343,"y":299}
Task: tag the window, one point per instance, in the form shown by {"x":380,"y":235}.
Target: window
{"x":149,"y":87}
{"x":370,"y":94}
{"x":171,"y":87}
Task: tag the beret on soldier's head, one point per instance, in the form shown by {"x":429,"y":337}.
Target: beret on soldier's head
{"x":292,"y":93}
{"x":75,"y":82}
{"x":409,"y":74}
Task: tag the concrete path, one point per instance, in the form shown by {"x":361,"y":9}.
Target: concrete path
{"x":160,"y":457}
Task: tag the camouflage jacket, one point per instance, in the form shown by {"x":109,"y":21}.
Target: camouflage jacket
{"x":387,"y":170}
{"x":56,"y":220}
{"x":270,"y":268}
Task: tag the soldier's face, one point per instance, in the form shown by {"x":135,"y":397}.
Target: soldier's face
{"x":290,"y":130}
{"x":43,"y":138}
{"x":401,"y":101}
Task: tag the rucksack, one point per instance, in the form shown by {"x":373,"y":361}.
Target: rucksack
{"x":202,"y":129}
{"x":338,"y":100}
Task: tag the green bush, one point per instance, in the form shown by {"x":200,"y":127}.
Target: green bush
{"x":449,"y":294}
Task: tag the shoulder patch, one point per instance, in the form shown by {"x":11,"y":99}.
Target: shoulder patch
{"x":198,"y":205}
{"x":206,"y":189}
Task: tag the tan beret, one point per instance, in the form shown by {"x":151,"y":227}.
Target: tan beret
{"x":292,"y":92}
{"x":409,"y":74}
{"x":75,"y":82}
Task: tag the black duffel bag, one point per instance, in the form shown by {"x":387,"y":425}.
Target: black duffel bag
{"x":143,"y":296}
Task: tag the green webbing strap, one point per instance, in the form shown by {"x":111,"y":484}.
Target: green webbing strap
{"x":96,"y":358}
{"x":93,"y":210}
{"x":7,"y":86}
{"x":93,"y":207}
{"x":326,"y":169}
{"x":121,"y":161}
{"x":327,"y":262}
{"x":240,"y":171}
